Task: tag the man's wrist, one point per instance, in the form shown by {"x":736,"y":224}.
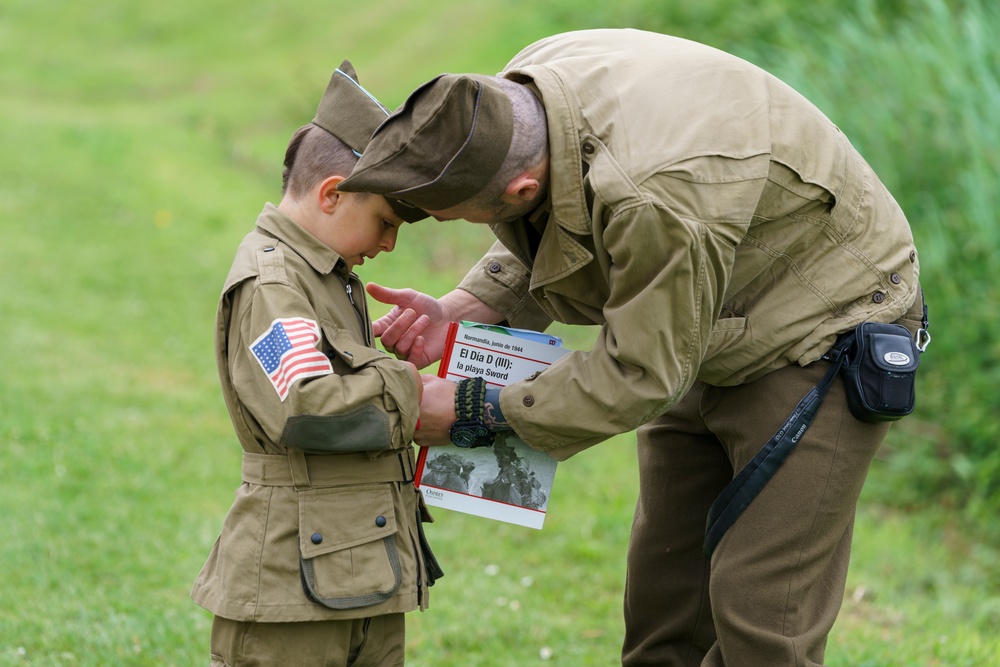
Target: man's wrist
{"x":460,"y":304}
{"x":492,"y":413}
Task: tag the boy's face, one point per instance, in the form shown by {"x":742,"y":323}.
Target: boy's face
{"x":360,"y":227}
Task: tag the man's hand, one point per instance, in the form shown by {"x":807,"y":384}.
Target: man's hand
{"x":437,"y":411}
{"x":417,"y":326}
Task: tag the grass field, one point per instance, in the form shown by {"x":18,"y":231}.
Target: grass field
{"x":138,"y":145}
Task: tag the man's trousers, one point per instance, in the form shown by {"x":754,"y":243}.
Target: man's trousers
{"x":775,"y":583}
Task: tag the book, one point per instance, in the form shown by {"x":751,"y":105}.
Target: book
{"x":509,"y":481}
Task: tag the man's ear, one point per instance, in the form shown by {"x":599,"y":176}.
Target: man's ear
{"x":524,"y":187}
{"x":327,"y":195}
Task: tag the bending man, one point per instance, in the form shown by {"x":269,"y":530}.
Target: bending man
{"x":722,"y":232}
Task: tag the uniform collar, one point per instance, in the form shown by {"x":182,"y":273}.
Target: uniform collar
{"x":319,"y":256}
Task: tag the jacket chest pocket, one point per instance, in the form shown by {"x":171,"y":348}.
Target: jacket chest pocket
{"x":347,"y":545}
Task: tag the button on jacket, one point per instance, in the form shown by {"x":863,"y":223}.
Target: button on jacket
{"x":324,"y":525}
{"x":712,"y":221}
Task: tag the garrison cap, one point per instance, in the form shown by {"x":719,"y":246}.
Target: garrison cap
{"x":442,"y":146}
{"x":352,"y":114}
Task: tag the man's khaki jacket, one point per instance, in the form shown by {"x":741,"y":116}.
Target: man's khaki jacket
{"x":711,"y":220}
{"x":325,"y":523}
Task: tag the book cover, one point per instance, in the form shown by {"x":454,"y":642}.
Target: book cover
{"x":509,"y":481}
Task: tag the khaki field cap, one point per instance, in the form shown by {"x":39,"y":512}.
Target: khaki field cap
{"x":442,"y":146}
{"x":352,"y":114}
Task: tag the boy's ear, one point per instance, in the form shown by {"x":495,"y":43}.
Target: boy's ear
{"x":327,"y":195}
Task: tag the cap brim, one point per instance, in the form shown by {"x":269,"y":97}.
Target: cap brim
{"x":407,"y":212}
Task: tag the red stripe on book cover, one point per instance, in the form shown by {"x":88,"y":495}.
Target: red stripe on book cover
{"x":449,"y":347}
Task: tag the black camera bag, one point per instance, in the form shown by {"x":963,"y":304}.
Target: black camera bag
{"x":880,"y":372}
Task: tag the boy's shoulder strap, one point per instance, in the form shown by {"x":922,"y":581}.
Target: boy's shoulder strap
{"x":271,"y":264}
{"x":259,"y":256}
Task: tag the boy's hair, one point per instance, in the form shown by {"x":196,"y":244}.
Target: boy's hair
{"x":314,"y":154}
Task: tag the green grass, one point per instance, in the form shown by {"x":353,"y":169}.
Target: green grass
{"x":138,"y":145}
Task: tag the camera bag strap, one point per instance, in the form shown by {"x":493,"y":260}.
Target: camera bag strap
{"x":746,"y":485}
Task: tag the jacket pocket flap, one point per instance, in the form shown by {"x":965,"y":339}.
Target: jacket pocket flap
{"x":335,"y":519}
{"x":352,"y":352}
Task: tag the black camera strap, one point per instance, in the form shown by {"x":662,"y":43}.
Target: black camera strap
{"x":746,"y":485}
{"x":749,"y":482}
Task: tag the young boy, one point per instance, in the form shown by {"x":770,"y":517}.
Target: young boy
{"x":322,"y":551}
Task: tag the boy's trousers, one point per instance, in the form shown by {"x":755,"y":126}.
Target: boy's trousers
{"x":775,"y":584}
{"x":377,"y":641}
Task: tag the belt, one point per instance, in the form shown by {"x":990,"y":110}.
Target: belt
{"x":303,"y":470}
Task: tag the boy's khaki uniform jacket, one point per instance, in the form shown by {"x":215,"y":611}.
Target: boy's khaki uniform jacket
{"x":711,"y":220}
{"x":327,"y":502}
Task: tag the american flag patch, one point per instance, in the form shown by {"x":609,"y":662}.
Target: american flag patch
{"x":287,"y":352}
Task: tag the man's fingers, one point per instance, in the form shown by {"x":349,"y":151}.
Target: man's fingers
{"x":383,"y":323}
{"x":403,"y":343}
{"x":396,"y":297}
{"x":393,"y":335}
{"x":417,"y":352}
{"x":411,"y":326}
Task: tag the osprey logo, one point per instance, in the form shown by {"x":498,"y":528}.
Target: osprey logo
{"x":896,"y":358}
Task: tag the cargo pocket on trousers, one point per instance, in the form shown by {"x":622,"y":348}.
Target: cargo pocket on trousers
{"x":347,"y":543}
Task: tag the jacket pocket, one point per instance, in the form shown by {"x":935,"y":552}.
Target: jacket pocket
{"x":399,"y":391}
{"x":346,"y":348}
{"x":347,"y":545}
{"x":727,"y":350}
{"x":727,"y":331}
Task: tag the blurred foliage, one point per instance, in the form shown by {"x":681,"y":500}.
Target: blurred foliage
{"x":732,"y":25}
{"x":920,"y":96}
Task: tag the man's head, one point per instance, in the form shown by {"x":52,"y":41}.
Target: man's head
{"x":461,"y":146}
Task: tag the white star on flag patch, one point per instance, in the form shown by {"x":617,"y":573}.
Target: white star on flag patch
{"x":287,"y":353}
